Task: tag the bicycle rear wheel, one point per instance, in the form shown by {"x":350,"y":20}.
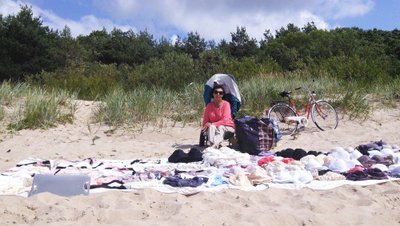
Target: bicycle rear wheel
{"x":280,"y":112}
{"x":324,"y":115}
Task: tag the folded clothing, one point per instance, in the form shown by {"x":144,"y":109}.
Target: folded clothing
{"x":364,"y":148}
{"x":179,"y":155}
{"x":385,"y":160}
{"x":178,"y":181}
{"x":368,"y":174}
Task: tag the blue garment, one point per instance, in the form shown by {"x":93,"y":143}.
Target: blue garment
{"x":178,"y":181}
{"x":218,"y":180}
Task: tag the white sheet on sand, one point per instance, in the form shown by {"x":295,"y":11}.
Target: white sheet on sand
{"x":17,"y":181}
{"x":326,"y":185}
{"x":315,"y":185}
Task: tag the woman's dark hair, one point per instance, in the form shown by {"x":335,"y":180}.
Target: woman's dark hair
{"x":218,"y":87}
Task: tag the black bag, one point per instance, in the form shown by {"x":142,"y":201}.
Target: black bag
{"x":203,"y":139}
{"x":256,"y":134}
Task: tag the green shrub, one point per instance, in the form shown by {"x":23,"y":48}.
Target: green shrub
{"x":89,"y":81}
{"x":356,"y":68}
{"x":242,"y":69}
{"x":210,"y":62}
{"x":173,"y":71}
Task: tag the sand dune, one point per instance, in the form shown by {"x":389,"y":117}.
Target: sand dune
{"x":345,"y":205}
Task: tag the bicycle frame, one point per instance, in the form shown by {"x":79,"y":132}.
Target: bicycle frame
{"x":318,"y":110}
{"x":302,"y":117}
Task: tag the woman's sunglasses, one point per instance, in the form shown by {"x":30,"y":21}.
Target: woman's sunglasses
{"x":219,"y":92}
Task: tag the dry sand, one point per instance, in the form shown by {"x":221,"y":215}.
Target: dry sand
{"x":346,"y":205}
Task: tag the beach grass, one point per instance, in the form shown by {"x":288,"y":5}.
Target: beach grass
{"x":9,"y":92}
{"x":2,"y":112}
{"x":157,"y":106}
{"x":36,"y":107}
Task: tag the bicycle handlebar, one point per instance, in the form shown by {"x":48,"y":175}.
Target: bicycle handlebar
{"x":287,"y":93}
{"x":311,"y":93}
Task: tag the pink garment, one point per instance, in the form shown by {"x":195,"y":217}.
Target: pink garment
{"x":356,"y":168}
{"x":265,"y":160}
{"x":218,"y":116}
{"x":271,"y":158}
{"x":287,"y":160}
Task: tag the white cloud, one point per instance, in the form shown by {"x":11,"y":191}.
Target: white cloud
{"x":8,"y":7}
{"x":118,"y":8}
{"x":84,"y":26}
{"x":339,"y":9}
{"x":174,"y":39}
{"x":212,"y":19}
{"x":217,"y":19}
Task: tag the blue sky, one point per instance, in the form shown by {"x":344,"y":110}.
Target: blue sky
{"x":212,"y":19}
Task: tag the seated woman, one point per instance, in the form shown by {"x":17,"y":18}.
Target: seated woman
{"x":217,"y":118}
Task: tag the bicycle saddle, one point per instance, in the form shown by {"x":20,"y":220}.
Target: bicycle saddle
{"x":285,"y":93}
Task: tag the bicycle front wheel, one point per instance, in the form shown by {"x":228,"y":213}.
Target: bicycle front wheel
{"x":324,"y":115}
{"x":281,"y":112}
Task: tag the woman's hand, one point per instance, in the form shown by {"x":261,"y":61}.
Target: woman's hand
{"x":205,"y":127}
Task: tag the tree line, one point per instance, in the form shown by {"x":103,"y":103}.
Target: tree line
{"x":94,"y":63}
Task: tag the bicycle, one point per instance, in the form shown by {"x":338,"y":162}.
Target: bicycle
{"x":289,"y":119}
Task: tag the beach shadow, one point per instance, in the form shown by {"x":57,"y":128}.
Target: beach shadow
{"x":183,"y":146}
{"x":234,"y":147}
{"x":196,"y":146}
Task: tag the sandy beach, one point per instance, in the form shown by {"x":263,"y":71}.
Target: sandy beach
{"x":346,"y":205}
